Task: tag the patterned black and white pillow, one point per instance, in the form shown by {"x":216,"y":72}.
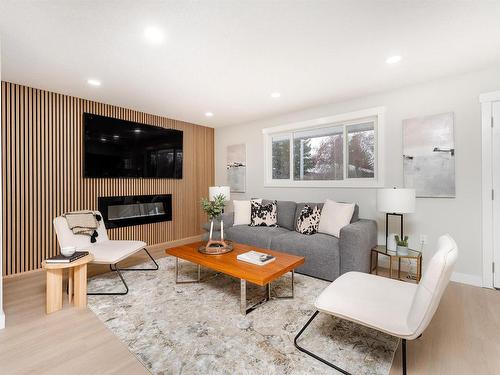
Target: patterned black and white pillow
{"x":308,"y":220}
{"x":263,"y":215}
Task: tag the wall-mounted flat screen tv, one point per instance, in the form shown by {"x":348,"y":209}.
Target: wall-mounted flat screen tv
{"x":118,"y":148}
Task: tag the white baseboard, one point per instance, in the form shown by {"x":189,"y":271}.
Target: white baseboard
{"x":2,"y":319}
{"x":166,"y":245}
{"x":463,"y":278}
{"x":468,"y":279}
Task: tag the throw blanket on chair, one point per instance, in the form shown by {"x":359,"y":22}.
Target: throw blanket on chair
{"x":83,"y":222}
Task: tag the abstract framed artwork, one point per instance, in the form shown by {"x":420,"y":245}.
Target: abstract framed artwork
{"x":236,"y":167}
{"x":429,"y":155}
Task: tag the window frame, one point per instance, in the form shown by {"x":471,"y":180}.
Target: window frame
{"x":377,"y":114}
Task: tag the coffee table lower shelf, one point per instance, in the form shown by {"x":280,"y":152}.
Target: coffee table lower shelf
{"x":244,"y":308}
{"x":243,"y":296}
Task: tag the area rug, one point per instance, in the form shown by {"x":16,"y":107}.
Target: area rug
{"x":197,"y":328}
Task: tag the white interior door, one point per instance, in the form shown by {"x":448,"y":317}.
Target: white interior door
{"x":496,"y":188}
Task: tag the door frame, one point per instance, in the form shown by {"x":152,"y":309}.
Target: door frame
{"x":486,"y":101}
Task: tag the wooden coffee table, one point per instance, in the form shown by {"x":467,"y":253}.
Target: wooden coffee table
{"x":229,"y":265}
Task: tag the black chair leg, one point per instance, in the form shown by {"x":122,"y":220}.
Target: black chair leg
{"x":156,"y":267}
{"x":117,"y":270}
{"x":404,"y":356}
{"x":312,"y":354}
{"x":331,"y":364}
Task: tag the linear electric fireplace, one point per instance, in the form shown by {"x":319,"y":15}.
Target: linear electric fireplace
{"x":130,"y":210}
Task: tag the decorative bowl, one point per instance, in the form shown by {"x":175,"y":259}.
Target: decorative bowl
{"x":216,"y":247}
{"x":68,"y":251}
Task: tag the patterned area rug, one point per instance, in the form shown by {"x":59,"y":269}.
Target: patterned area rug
{"x":197,"y":328}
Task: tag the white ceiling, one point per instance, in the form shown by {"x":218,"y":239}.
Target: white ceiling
{"x":227,"y":57}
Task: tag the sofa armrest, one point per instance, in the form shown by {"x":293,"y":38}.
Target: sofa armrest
{"x":355,"y":244}
{"x":228,"y":218}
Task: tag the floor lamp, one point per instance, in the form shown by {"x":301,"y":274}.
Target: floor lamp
{"x":395,"y":202}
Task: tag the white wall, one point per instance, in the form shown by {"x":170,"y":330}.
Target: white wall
{"x":460,"y":217}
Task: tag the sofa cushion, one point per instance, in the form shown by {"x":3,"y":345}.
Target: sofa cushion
{"x":320,"y":250}
{"x":335,"y":216}
{"x":286,"y":213}
{"x":308,"y":220}
{"x":254,"y":236}
{"x":300,"y":206}
{"x":263,"y":215}
{"x":242,"y":211}
{"x":355,"y":214}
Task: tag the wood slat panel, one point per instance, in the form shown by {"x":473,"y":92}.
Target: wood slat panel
{"x":43,"y":174}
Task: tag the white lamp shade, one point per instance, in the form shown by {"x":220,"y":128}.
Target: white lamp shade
{"x":214,"y":191}
{"x":397,"y":201}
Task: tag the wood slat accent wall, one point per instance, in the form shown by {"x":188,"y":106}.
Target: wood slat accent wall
{"x":42,"y":143}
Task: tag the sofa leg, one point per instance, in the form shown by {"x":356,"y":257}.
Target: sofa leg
{"x":117,"y":270}
{"x":312,"y":354}
{"x":403,"y":360}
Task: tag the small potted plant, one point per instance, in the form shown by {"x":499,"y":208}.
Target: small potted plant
{"x":214,"y":209}
{"x":402,"y":245}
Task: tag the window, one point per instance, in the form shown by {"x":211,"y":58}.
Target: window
{"x":361,"y":150}
{"x":319,"y":154}
{"x":281,"y":158}
{"x":342,"y":150}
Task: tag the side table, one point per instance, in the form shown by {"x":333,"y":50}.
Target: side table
{"x":412,"y":254}
{"x":77,"y":283}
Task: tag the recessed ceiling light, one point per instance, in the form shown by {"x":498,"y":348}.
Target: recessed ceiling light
{"x":116,"y":136}
{"x":154,"y":34}
{"x":275,"y":95}
{"x":137,"y":131}
{"x":94,"y":82}
{"x":209,"y":114}
{"x":393,"y":59}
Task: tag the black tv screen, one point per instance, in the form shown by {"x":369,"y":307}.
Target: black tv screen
{"x":119,"y":148}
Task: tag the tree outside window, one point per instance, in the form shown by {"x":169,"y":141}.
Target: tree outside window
{"x":281,"y":158}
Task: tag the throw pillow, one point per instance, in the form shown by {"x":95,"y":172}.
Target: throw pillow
{"x":263,"y":215}
{"x":308,"y":220}
{"x":242,"y":211}
{"x":335,"y":216}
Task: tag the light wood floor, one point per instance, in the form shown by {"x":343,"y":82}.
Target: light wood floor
{"x":463,"y":338}
{"x":69,"y":341}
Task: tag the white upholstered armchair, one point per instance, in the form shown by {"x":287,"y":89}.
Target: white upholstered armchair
{"x":104,"y":250}
{"x":395,"y":307}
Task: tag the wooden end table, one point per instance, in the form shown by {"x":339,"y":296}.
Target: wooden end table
{"x":246,"y":272}
{"x":412,"y":254}
{"x":77,"y":283}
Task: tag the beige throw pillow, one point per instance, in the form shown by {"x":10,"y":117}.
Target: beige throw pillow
{"x":242,"y":212}
{"x":335,"y":216}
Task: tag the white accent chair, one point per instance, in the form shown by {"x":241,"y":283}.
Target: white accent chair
{"x":104,"y":250}
{"x":395,"y":307}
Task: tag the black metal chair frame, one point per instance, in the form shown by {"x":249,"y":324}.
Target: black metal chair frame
{"x":117,"y":270}
{"x":331,"y":364}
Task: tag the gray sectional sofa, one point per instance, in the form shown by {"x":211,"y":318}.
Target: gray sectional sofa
{"x":327,"y":257}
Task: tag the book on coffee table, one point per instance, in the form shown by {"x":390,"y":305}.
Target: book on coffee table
{"x":255,"y":257}
{"x":62,"y":259}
